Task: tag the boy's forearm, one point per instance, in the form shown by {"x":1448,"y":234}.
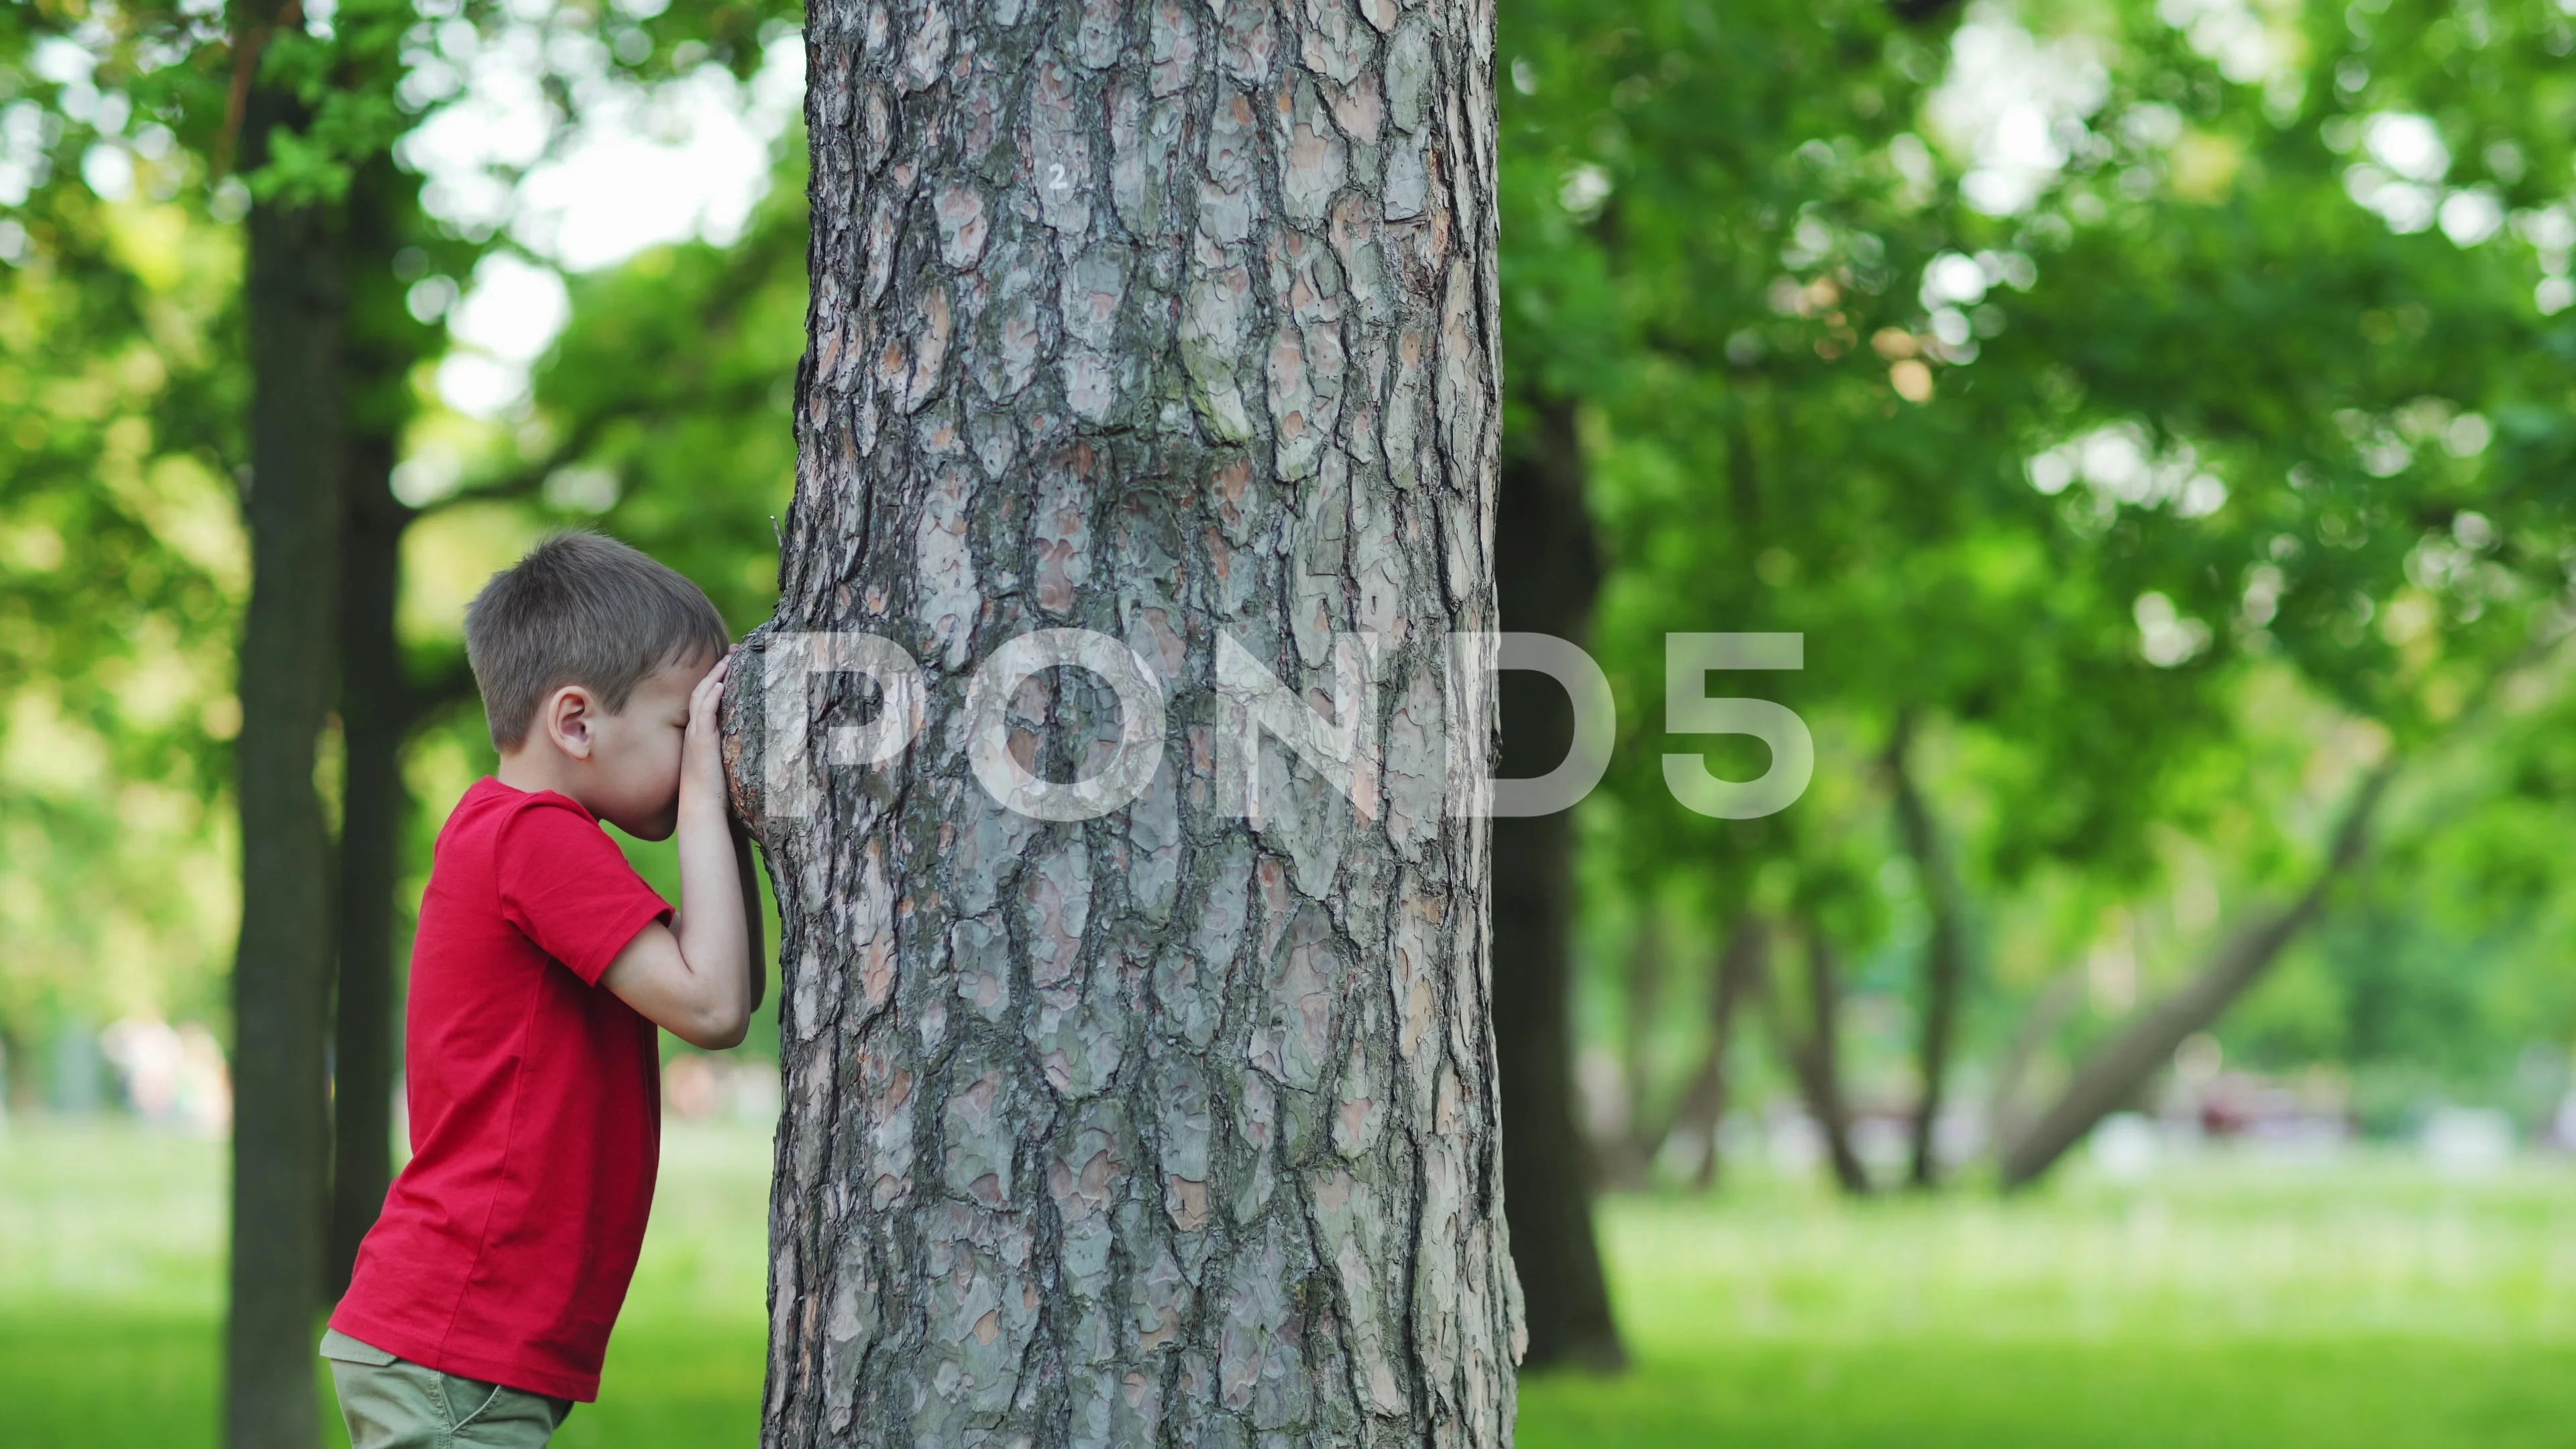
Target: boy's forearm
{"x":714,"y":939}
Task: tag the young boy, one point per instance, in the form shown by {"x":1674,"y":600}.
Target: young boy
{"x":483,"y":1297}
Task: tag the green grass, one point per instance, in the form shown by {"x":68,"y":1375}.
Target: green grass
{"x":2364,"y":1304}
{"x":111,"y":1286}
{"x":2227,"y":1304}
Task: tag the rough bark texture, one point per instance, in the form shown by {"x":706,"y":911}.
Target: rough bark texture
{"x":2114,"y":1074}
{"x":1545,"y":557}
{"x":282,"y":974}
{"x":1945,"y":955}
{"x":1159,"y":1128}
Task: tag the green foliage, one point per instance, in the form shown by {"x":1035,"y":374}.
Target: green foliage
{"x":343,"y":80}
{"x":122,"y":394}
{"x":121,"y":573}
{"x":676,"y":379}
{"x":2163,"y":481}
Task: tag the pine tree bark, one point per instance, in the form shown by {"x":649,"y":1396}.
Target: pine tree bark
{"x":1549,"y":571}
{"x":1176,"y":324}
{"x":282,"y":972}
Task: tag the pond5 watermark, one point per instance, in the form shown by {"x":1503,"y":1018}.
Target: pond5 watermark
{"x":1340,"y":744}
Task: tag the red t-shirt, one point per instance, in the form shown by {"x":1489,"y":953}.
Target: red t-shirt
{"x":507,"y":1242}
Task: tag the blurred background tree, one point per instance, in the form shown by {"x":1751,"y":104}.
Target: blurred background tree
{"x":2103,"y":400}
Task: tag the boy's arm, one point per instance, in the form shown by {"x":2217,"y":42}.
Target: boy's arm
{"x":697,"y":981}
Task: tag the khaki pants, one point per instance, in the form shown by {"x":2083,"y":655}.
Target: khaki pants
{"x":393,"y":1403}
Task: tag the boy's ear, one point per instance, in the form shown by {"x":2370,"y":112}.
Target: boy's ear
{"x":566,"y":720}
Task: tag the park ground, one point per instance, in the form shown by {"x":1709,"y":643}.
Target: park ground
{"x":2364,"y":1301}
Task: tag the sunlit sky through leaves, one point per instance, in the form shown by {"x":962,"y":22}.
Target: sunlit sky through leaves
{"x":686,"y":160}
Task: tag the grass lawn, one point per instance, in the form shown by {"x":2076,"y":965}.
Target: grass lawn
{"x":2363,"y":1303}
{"x":2228,"y":1304}
{"x":111,"y":1242}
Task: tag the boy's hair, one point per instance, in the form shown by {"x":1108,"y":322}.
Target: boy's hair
{"x":580,"y":609}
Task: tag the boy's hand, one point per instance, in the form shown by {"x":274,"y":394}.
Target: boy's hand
{"x":700,"y":976}
{"x":701,"y":749}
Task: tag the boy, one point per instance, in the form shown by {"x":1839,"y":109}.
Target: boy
{"x":483,"y":1297}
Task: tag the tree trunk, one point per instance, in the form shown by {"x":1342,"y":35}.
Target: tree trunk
{"x":375,"y":716}
{"x":1159,"y":1125}
{"x":2006,"y":1119}
{"x":1548,"y":572}
{"x":1622,"y":1157}
{"x":1945,"y":958}
{"x":282,"y":974}
{"x":1816,"y":1056}
{"x":1743,"y":969}
{"x":1627,"y":1157}
{"x":377,"y":712}
{"x":2114,"y":1074}
{"x":17,"y":1073}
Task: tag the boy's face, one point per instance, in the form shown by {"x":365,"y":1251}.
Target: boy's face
{"x":634,"y":779}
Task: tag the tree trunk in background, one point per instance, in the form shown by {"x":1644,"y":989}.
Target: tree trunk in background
{"x":1159,"y":1127}
{"x":1816,"y":1055}
{"x":16,"y":1082}
{"x":1743,"y":970}
{"x":2005,"y":1118}
{"x":1546,"y":560}
{"x":282,"y":974}
{"x":1945,"y":956}
{"x":378,"y":709}
{"x":1623,"y":1157}
{"x":375,"y":718}
{"x":1627,"y":1156}
{"x":2115,"y":1073}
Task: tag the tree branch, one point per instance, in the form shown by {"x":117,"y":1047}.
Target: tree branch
{"x":1816,"y":1060}
{"x":1945,"y":963}
{"x":2057,"y":1001}
{"x":2115,"y":1073}
{"x":1743,"y":970}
